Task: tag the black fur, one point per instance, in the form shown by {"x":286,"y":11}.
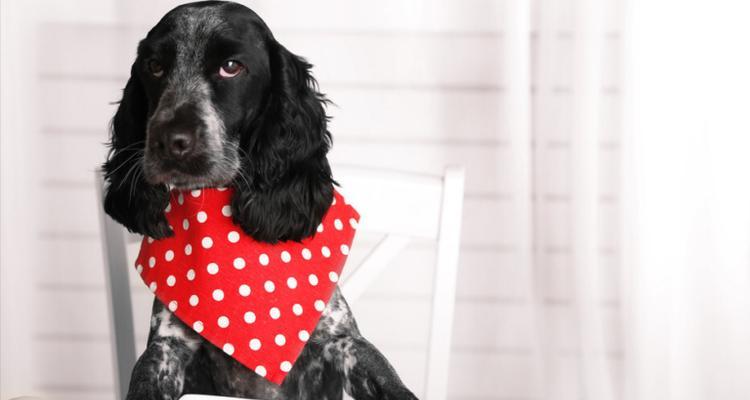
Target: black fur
{"x":289,"y":185}
{"x":129,"y":199}
{"x":283,"y":181}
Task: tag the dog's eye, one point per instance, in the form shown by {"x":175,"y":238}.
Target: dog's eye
{"x":155,"y":68}
{"x":230,"y":69}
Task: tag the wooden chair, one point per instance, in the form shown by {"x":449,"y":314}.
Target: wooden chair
{"x":400,"y":206}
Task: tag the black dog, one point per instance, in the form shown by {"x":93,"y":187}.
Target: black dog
{"x":213,"y":99}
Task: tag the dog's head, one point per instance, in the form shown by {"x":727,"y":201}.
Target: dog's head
{"x":213,"y":99}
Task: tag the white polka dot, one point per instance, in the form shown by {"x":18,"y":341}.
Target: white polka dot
{"x":297,"y":309}
{"x":218,"y":295}
{"x":263,"y":259}
{"x":338,"y":224}
{"x":233,"y":236}
{"x":226,"y":211}
{"x":249,"y":317}
{"x":303,"y":335}
{"x":168,"y":208}
{"x":333,"y":203}
{"x":244,"y":290}
{"x":198,"y":326}
{"x":274,"y":312}
{"x":313,"y":279}
{"x":269,"y":286}
{"x":306,"y":254}
{"x":212,"y":268}
{"x":191,"y":274}
{"x":171,"y":280}
{"x":201,"y":216}
{"x":239,"y":263}
{"x":344,"y":249}
{"x":228,"y":348}
{"x":139,"y":268}
{"x":291,"y":282}
{"x":207,"y":242}
{"x":195,"y":193}
{"x":185,"y":224}
{"x":320,"y":228}
{"x":223,"y":321}
{"x":188,"y":249}
{"x":254,"y":344}
{"x":320,"y":305}
{"x":169,"y":255}
{"x":325,"y":251}
{"x":151,"y":262}
{"x":353,"y":222}
{"x":149,"y":239}
{"x":221,"y":188}
{"x":285,"y":256}
{"x":152,"y":286}
{"x":280,"y":340}
{"x":180,"y":199}
{"x":285,"y":366}
{"x":193,"y":300}
{"x":260,"y":370}
{"x":333,"y":276}
{"x":172,"y":306}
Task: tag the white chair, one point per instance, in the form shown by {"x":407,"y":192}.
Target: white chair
{"x":400,"y":206}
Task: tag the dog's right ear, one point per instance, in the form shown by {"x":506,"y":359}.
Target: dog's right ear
{"x":128,"y":198}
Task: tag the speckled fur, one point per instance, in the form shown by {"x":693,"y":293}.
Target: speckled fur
{"x":337,"y":358}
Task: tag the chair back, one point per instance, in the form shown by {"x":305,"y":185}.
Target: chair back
{"x":398,"y":206}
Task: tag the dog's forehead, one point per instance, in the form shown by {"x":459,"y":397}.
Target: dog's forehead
{"x":194,"y":26}
{"x":189,"y":28}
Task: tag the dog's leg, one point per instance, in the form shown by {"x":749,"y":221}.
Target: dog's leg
{"x":365,"y":371}
{"x":159,"y":374}
{"x":313,"y":377}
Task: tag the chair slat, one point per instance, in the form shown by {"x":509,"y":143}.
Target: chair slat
{"x":119,"y":299}
{"x":357,"y":282}
{"x":444,"y":293}
{"x":393,"y":202}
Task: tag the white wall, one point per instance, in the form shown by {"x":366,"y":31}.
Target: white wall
{"x":418,"y":85}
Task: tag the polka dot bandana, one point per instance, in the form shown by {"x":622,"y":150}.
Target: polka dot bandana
{"x":258,"y":302}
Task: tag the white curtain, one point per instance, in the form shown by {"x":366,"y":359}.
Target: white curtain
{"x":686,"y":170}
{"x":559,"y":129}
{"x":634,"y":148}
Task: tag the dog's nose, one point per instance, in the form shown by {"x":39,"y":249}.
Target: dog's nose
{"x":179,"y":144}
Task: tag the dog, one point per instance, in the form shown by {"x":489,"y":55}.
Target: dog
{"x":214,"y":100}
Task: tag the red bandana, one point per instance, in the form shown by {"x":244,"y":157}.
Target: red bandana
{"x":256,"y":301}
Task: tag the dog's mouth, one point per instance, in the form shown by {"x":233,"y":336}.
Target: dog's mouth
{"x":200,"y":172}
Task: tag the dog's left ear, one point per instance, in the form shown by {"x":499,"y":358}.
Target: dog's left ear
{"x":286,"y":187}
{"x":128,"y":198}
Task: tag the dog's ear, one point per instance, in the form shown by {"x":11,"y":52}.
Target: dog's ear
{"x":286,"y":187}
{"x":128,"y":198}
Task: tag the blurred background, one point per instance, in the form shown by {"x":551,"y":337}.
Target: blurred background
{"x":605,"y":248}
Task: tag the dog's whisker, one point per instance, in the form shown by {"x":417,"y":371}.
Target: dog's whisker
{"x":123,"y":163}
{"x":135,"y":165}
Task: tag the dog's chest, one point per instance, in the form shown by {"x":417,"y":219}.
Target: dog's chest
{"x":212,"y":371}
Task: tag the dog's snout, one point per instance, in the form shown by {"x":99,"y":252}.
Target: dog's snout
{"x":175,"y":132}
{"x":179,"y":144}
{"x":175,"y":145}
